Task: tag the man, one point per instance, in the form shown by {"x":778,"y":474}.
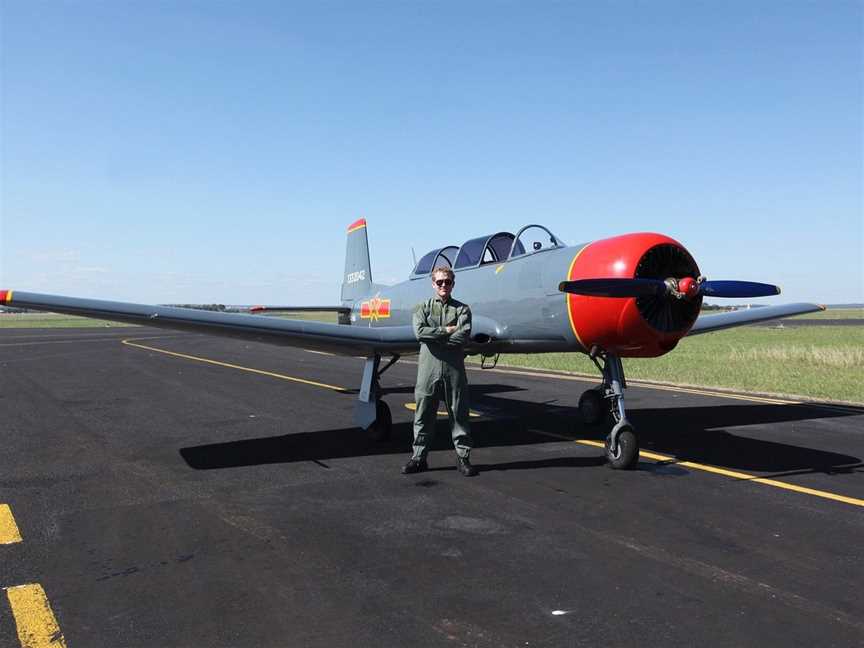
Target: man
{"x":442,"y":325}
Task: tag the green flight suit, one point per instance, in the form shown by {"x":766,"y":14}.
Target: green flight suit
{"x":441,"y":372}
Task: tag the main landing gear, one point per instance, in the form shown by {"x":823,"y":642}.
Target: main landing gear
{"x":370,"y":412}
{"x":607,"y":402}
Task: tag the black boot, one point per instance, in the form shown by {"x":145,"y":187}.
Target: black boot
{"x":465,"y":467}
{"x":415,"y":466}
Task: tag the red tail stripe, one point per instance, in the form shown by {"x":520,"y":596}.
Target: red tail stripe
{"x":357,"y":224}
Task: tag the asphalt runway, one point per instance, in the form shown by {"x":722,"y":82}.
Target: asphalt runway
{"x":211,"y":498}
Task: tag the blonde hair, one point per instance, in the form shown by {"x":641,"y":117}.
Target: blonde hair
{"x":444,"y":270}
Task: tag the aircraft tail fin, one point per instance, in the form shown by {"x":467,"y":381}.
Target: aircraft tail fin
{"x":357,"y":280}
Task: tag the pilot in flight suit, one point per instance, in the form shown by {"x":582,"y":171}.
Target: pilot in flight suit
{"x":442,"y":325}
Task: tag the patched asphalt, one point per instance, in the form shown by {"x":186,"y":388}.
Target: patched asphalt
{"x":165,"y":501}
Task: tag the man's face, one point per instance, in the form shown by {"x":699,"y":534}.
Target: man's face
{"x":443,"y":285}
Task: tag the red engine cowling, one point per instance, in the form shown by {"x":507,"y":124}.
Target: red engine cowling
{"x":633,"y":326}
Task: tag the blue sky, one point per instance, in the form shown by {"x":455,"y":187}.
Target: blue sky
{"x":216,"y":151}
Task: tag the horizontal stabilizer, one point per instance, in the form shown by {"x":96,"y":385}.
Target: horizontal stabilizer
{"x":298,"y":309}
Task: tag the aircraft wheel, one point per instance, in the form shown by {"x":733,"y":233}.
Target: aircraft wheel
{"x":592,"y":409}
{"x":626,"y":455}
{"x":380,"y":430}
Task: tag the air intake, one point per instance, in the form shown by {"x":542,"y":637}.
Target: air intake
{"x":665,"y":313}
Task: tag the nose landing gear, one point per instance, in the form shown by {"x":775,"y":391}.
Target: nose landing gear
{"x":622,"y":445}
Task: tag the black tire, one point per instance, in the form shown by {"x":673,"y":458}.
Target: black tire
{"x":627,"y":453}
{"x":592,"y":407}
{"x":380,"y":430}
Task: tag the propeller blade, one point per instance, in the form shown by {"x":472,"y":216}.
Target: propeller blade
{"x":615,"y":287}
{"x":738,"y":289}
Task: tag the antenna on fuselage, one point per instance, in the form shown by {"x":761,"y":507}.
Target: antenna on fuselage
{"x":414,"y":257}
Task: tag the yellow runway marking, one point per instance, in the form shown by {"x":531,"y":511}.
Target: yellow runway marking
{"x":413,"y":408}
{"x":261,"y":372}
{"x":734,"y":474}
{"x":9,"y":533}
{"x":37,"y":627}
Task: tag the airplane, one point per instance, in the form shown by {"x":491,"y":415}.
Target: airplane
{"x":628,"y":296}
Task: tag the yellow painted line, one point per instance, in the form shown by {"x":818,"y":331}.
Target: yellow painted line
{"x":413,"y":408}
{"x":734,"y":474}
{"x":499,"y":268}
{"x":260,"y":372}
{"x":37,"y":627}
{"x":9,"y":533}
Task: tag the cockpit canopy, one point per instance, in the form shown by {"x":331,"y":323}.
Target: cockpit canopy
{"x":435,"y":259}
{"x":492,"y":248}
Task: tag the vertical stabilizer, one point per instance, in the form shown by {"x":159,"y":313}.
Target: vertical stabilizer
{"x":357,"y":280}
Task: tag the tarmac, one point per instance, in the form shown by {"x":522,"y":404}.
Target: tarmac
{"x":184,"y":490}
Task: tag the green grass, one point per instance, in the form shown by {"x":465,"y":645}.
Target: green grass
{"x":51,"y":320}
{"x":831,"y":313}
{"x":825,"y":362}
{"x":834,"y":313}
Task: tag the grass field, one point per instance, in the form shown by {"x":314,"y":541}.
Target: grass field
{"x":51,"y":320}
{"x":834,"y":313}
{"x":824,"y":362}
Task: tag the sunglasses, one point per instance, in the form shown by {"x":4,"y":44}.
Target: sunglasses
{"x":444,"y":282}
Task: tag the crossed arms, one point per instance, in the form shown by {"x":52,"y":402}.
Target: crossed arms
{"x":455,"y":335}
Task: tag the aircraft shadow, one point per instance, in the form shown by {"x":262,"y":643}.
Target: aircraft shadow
{"x":476,"y":390}
{"x":349,"y":442}
{"x":686,"y":433}
{"x":698,"y":434}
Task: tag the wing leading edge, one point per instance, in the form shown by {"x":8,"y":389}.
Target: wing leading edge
{"x":709,"y":323}
{"x":322,"y":336}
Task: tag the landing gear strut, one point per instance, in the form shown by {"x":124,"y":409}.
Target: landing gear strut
{"x":622,"y":445}
{"x":370,"y":412}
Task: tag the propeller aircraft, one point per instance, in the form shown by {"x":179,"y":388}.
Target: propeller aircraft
{"x":634,"y":295}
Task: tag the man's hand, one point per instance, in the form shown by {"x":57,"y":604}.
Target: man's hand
{"x":449,"y":329}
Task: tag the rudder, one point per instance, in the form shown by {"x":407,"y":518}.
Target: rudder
{"x":357,"y":280}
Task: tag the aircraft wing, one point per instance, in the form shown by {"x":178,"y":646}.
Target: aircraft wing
{"x":708,"y":323}
{"x":336,"y":338}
